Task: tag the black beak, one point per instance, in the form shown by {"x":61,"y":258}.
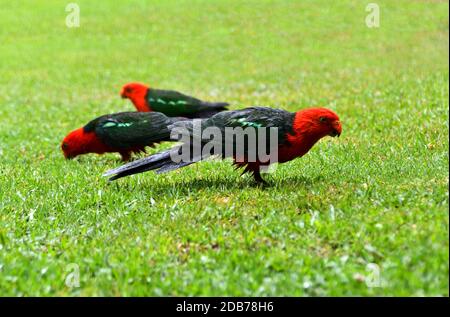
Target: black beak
{"x":335,"y":133}
{"x":68,"y":156}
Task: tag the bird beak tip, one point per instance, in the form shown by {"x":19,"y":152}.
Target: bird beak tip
{"x":335,"y":133}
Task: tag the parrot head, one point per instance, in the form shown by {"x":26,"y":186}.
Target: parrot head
{"x":319,"y":122}
{"x":80,"y":142}
{"x":136,"y":92}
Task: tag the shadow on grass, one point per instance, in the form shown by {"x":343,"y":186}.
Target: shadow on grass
{"x":218,"y":184}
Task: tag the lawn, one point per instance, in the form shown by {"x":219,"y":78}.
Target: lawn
{"x":363,"y":214}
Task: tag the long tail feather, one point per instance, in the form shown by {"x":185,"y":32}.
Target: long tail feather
{"x":139,"y":166}
{"x":217,"y":105}
{"x":173,"y":166}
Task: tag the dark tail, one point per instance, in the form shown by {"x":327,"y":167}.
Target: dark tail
{"x":210,"y":109}
{"x":162,"y":162}
{"x":218,"y":106}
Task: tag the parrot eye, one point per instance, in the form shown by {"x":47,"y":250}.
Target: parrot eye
{"x":323,"y":119}
{"x":65,"y":146}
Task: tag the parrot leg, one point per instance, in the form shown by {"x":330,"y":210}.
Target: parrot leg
{"x":126,"y":156}
{"x":258,"y":178}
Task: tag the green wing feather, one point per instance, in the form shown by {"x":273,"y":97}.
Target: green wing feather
{"x":173,"y":103}
{"x":256,"y":117}
{"x":132,"y":129}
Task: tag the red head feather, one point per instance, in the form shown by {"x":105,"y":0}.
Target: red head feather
{"x":80,"y":142}
{"x":317,"y":123}
{"x":310,"y":125}
{"x":136,"y":92}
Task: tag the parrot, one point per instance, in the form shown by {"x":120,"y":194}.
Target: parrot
{"x":297,"y":132}
{"x":169,"y":102}
{"x":123,"y":132}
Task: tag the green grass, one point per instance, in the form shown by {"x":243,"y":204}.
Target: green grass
{"x":378,"y":194}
